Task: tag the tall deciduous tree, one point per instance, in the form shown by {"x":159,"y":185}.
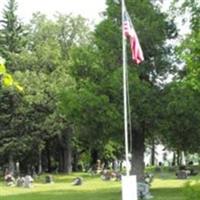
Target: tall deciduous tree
{"x":189,"y":50}
{"x":44,"y":71}
{"x":181,"y":118}
{"x":153,"y":30}
{"x":182,"y":97}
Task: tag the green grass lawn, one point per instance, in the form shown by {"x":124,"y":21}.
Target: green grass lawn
{"x":164,"y":187}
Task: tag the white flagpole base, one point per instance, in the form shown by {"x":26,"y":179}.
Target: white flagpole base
{"x":129,"y":188}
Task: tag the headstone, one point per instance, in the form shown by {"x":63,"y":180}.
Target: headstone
{"x":118,"y":176}
{"x":48,"y":179}
{"x":78,"y":181}
{"x":148,"y":178}
{"x":143,"y":191}
{"x":106,"y":175}
{"x":182,"y":174}
{"x":9,"y":179}
{"x":28,"y":180}
{"x":20,"y":182}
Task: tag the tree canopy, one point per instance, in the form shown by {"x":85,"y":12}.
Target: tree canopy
{"x":65,"y":103}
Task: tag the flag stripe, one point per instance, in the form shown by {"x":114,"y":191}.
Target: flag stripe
{"x":129,"y":31}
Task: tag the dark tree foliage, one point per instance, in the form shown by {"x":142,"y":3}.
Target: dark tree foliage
{"x":153,"y":30}
{"x":12,"y":33}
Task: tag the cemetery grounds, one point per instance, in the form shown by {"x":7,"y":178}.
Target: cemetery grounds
{"x":165,"y":186}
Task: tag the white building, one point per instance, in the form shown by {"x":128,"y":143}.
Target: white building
{"x":162,"y":155}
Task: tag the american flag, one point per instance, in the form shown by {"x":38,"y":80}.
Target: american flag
{"x":129,"y":32}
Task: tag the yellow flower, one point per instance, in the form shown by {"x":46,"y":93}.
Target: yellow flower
{"x":2,"y":69}
{"x":7,"y":80}
{"x":19,"y":88}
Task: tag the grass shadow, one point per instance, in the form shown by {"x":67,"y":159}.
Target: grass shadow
{"x":175,"y":193}
{"x":75,"y":194}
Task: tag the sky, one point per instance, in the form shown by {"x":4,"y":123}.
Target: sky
{"x":90,"y":9}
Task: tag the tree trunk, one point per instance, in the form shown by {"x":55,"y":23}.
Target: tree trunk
{"x":153,"y":153}
{"x":11,"y":164}
{"x":40,"y":162}
{"x":174,"y":159}
{"x":137,"y":167}
{"x":48,"y":157}
{"x":67,"y":164}
{"x":94,"y":158}
{"x":178,"y":158}
{"x":75,"y":161}
{"x":65,"y":160}
{"x":61,"y":160}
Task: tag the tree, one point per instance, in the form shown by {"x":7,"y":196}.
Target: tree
{"x":153,"y":30}
{"x":182,"y":97}
{"x":9,"y":101}
{"x":189,"y":50}
{"x":44,"y":72}
{"x":181,"y":118}
{"x":6,"y":78}
{"x":12,"y":33}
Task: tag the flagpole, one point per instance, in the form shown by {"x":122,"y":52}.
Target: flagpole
{"x":125,"y":89}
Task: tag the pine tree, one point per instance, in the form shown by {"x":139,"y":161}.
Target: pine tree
{"x":12,"y":32}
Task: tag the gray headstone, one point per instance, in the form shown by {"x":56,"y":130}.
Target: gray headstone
{"x":182,"y":174}
{"x":143,"y":190}
{"x":20,"y":182}
{"x":78,"y":181}
{"x":9,"y":179}
{"x":49,"y":179}
{"x":28,"y":180}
